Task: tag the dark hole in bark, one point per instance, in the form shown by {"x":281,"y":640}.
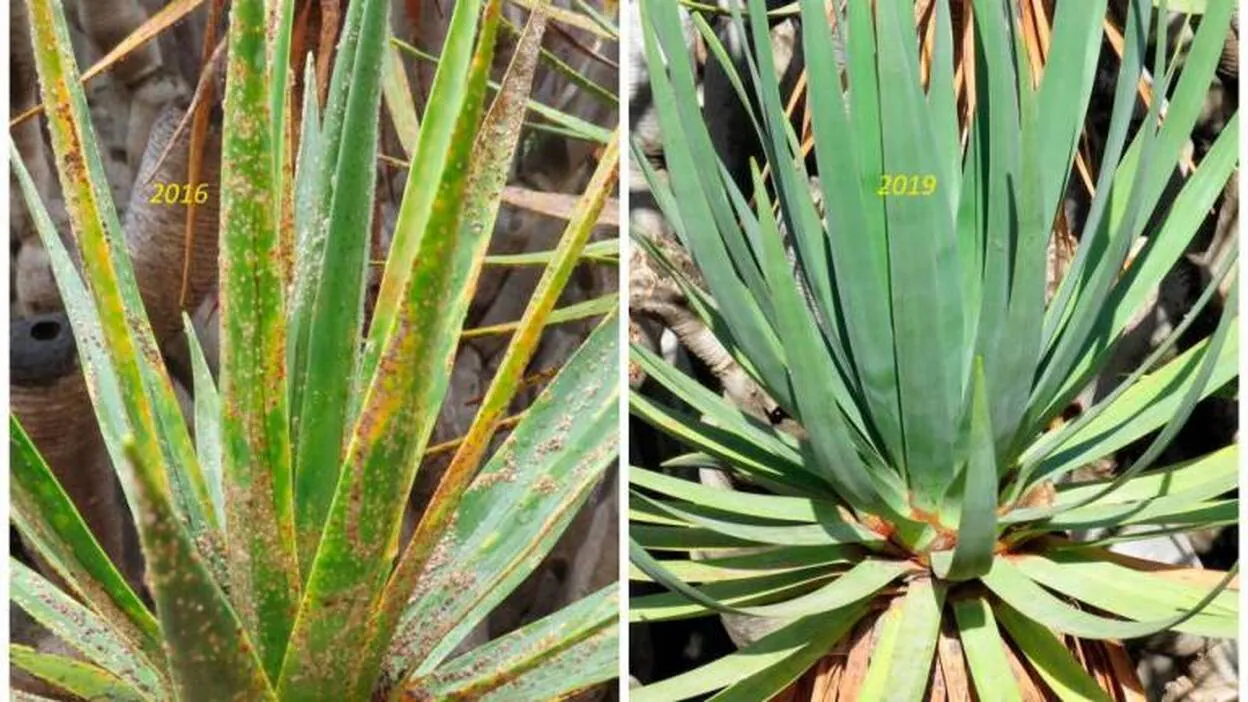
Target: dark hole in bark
{"x":45,"y":330}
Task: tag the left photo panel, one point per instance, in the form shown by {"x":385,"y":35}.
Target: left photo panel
{"x":314,"y":350}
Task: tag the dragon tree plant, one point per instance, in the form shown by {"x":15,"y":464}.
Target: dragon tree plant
{"x":920,"y":516}
{"x":272,"y":540}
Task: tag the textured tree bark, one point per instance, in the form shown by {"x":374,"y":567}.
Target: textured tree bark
{"x":24,"y":94}
{"x":1228,"y":66}
{"x":143,"y":73}
{"x":49,"y":396}
{"x":156,"y":231}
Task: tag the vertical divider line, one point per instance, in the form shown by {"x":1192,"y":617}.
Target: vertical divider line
{"x":5,"y":505}
{"x":622,"y":270}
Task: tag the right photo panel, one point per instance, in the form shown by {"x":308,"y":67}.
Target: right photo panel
{"x":934,"y":350}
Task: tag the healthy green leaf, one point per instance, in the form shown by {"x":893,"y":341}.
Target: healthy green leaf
{"x":683,"y":539}
{"x":311,"y":205}
{"x":1133,"y":594}
{"x":1081,"y":268}
{"x":1193,"y":7}
{"x":1197,"y":386}
{"x":793,"y":509}
{"x":928,"y":313}
{"x":1050,"y":658}
{"x":831,"y":454}
{"x":1046,"y":444}
{"x":335,"y":319}
{"x":767,"y":561}
{"x":901,"y":661}
{"x":1034,"y":602}
{"x":832,"y":527}
{"x":1148,"y":404}
{"x":1210,"y":468}
{"x":698,"y":225}
{"x":745,"y":592}
{"x":743,"y":455}
{"x":985,"y":651}
{"x":715,"y":410}
{"x":911,"y":339}
{"x":791,"y":640}
{"x":772,"y":680}
{"x":1159,"y":254}
{"x":977,"y":523}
